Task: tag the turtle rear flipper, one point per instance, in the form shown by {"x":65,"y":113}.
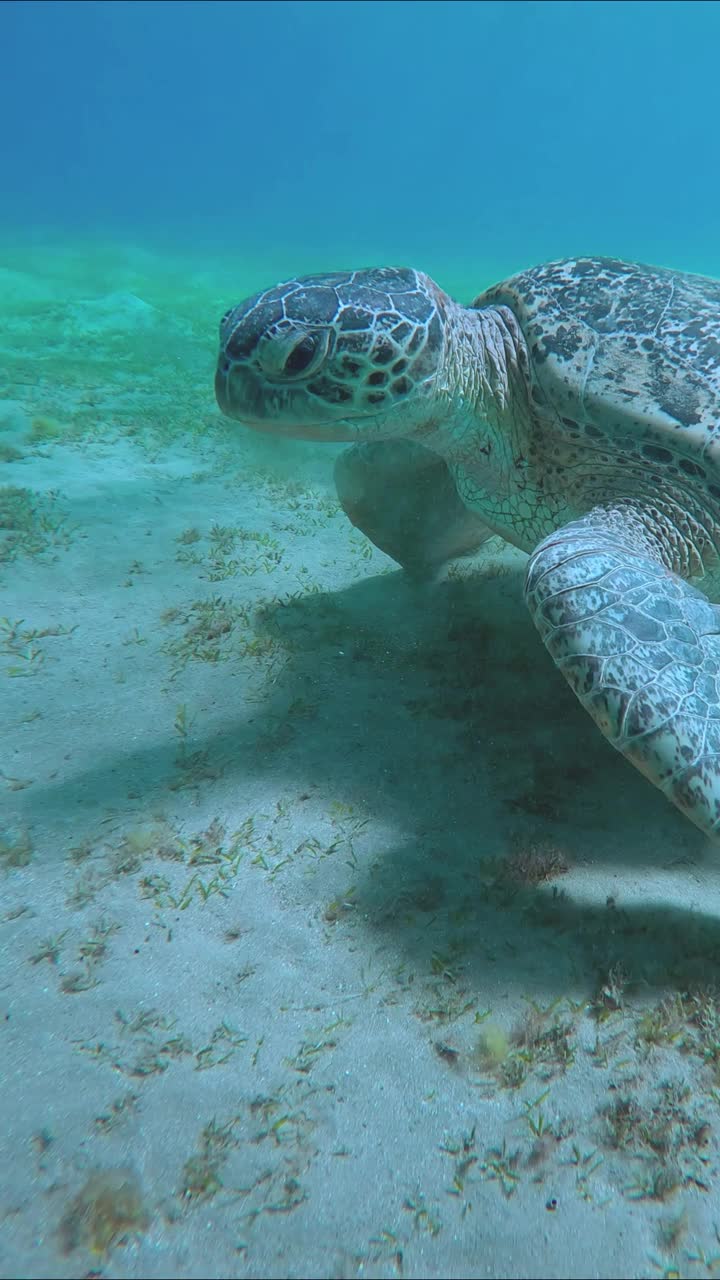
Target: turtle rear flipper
{"x":404,"y":499}
{"x":640,"y":648}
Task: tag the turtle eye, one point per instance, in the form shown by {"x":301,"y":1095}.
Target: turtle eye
{"x":302,"y":355}
{"x":292,"y":355}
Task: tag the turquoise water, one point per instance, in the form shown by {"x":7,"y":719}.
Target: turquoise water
{"x":463,"y":137}
{"x":336,"y":941}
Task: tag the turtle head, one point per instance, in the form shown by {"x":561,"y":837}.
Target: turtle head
{"x":335,"y":357}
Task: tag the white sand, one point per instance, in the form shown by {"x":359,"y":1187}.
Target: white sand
{"x":267,"y":982}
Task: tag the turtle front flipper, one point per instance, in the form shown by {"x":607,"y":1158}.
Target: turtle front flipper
{"x":403,"y":498}
{"x":640,"y":648}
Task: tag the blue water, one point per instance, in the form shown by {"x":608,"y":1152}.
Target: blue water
{"x":335,"y":939}
{"x":499,"y":133}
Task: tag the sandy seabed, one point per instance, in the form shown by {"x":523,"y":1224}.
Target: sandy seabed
{"x":335,"y":940}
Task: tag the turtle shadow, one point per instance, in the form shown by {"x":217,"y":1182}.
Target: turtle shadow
{"x":446,"y":691}
{"x":473,"y":922}
{"x":443,"y":714}
{"x":435,"y":709}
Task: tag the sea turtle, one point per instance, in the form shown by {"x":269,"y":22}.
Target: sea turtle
{"x":574,"y":410}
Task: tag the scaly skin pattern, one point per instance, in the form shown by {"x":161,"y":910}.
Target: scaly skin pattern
{"x":641,"y":650}
{"x":575,"y":411}
{"x":340,"y":356}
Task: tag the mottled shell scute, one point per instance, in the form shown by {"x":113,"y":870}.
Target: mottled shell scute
{"x":621,"y":344}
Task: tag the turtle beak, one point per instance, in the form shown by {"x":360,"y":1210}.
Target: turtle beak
{"x":221,"y":386}
{"x":236,"y":393}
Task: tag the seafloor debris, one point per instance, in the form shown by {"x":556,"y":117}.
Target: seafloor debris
{"x":107,"y":1209}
